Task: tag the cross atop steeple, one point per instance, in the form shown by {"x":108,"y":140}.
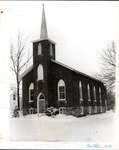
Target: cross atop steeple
{"x":43,"y":34}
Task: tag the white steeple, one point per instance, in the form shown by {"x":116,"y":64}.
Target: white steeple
{"x":43,"y":33}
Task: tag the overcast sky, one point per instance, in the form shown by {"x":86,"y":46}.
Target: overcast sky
{"x":81,"y":30}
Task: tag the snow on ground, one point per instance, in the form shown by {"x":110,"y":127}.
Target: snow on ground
{"x":4,"y":124}
{"x":93,"y":128}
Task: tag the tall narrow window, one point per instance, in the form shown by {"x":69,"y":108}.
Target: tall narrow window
{"x":51,"y":50}
{"x":100,"y":95}
{"x":94,"y":91}
{"x":80,"y":91}
{"x":39,"y":49}
{"x":31,"y":92}
{"x":100,"y":99}
{"x":40,"y":73}
{"x":61,"y":90}
{"x":88,"y":88}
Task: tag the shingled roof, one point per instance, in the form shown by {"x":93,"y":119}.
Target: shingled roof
{"x":26,"y":72}
{"x":78,"y":72}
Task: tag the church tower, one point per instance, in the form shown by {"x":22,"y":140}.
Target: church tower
{"x":43,"y":51}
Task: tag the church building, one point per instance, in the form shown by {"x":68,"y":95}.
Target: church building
{"x":50,"y":83}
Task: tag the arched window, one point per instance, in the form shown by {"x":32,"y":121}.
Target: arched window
{"x":100,"y":95}
{"x":88,"y":88}
{"x":61,"y":90}
{"x":31,"y":92}
{"x":41,"y":97}
{"x":100,"y":99}
{"x":39,"y":49}
{"x":51,"y":50}
{"x":94,"y":91}
{"x":40,"y":74}
{"x":80,"y":91}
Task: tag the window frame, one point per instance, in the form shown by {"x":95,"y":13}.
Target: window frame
{"x":31,"y":87}
{"x":40,"y":72}
{"x":51,"y":50}
{"x":81,"y":91}
{"x":100,"y":95}
{"x":89,"y":93}
{"x":64,"y":91}
{"x":39,"y":50}
{"x":94,"y":92}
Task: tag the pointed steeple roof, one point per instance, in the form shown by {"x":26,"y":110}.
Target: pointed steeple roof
{"x":43,"y":34}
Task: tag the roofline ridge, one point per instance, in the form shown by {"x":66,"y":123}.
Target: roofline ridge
{"x":76,"y":71}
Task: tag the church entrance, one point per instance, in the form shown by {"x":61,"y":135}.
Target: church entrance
{"x":41,"y":105}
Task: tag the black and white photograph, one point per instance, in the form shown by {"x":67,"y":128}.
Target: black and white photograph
{"x":62,"y":62}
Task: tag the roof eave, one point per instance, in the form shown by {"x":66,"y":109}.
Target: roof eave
{"x":39,"y":40}
{"x":75,"y":70}
{"x":25,"y":73}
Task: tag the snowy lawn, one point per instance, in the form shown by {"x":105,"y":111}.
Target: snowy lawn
{"x":93,"y":128}
{"x":4,"y":124}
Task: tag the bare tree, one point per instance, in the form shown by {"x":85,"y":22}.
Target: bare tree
{"x":17,"y":60}
{"x":108,"y":70}
{"x":108,"y":73}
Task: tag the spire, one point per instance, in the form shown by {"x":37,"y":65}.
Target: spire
{"x":43,"y":34}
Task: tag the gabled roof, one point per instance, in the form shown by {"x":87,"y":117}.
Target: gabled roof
{"x":59,"y":63}
{"x":26,"y":72}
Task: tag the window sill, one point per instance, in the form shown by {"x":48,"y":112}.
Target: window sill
{"x":61,"y":99}
{"x":40,"y":80}
{"x":30,"y":101}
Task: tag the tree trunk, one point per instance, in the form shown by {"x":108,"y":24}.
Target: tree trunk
{"x":18,"y":99}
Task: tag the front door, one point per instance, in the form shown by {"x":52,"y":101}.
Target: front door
{"x":41,"y":103}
